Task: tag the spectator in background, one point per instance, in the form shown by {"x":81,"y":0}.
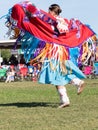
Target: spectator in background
{"x":22,"y":60}
{"x":13,"y":60}
{"x":10,"y":75}
{"x":35,"y":74}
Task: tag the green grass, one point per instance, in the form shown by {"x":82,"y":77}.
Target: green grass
{"x":32,"y":106}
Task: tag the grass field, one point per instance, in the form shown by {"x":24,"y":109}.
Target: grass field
{"x":31,"y":106}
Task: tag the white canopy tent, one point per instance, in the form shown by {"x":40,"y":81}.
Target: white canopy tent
{"x":8,"y":44}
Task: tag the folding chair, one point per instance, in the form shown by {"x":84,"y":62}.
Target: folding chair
{"x":87,"y":70}
{"x":24,"y":72}
{"x":2,"y":73}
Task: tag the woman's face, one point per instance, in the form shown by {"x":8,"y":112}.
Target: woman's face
{"x":52,"y":13}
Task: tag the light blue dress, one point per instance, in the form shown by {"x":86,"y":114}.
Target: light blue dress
{"x":56,"y":77}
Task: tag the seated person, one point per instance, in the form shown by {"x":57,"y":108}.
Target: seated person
{"x":10,"y":75}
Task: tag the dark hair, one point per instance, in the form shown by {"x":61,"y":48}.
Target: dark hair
{"x":56,"y":8}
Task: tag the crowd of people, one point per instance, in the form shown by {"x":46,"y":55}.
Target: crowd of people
{"x":19,"y":70}
{"x":19,"y":73}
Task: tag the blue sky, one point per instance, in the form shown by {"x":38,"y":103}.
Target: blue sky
{"x":84,"y":10}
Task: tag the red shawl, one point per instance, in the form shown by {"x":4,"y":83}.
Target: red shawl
{"x":41,"y":28}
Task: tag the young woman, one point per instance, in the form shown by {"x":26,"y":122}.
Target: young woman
{"x":62,"y":27}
